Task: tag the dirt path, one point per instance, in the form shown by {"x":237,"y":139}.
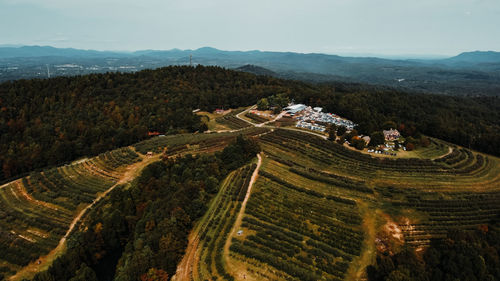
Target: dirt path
{"x":357,"y":269}
{"x":245,"y":111}
{"x":307,"y":132}
{"x":44,"y":262}
{"x":239,"y":218}
{"x":450,"y":150}
{"x":189,"y":261}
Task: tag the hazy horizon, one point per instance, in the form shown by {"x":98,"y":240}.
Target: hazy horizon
{"x":383,"y":28}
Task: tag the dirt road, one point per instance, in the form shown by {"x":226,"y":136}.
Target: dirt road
{"x":239,"y":218}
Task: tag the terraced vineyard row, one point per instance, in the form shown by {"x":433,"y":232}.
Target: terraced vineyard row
{"x":192,"y":141}
{"x":231,"y":121}
{"x":256,"y":118}
{"x":36,"y":211}
{"x":301,"y":233}
{"x":458,"y":211}
{"x":469,"y":183}
{"x":216,"y":225}
{"x":470,"y":168}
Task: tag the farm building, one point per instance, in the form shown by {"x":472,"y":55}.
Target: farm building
{"x":391,"y":134}
{"x":292,"y":109}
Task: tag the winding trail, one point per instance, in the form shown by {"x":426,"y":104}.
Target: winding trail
{"x":357,"y":268}
{"x":239,"y":218}
{"x":450,"y":150}
{"x":44,"y":262}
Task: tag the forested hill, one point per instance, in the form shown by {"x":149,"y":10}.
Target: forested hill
{"x":48,"y":122}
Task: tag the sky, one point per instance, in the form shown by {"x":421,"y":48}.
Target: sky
{"x":383,"y":27}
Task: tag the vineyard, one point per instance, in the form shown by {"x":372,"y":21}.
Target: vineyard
{"x":301,"y":233}
{"x":303,"y":220}
{"x":317,"y":210}
{"x":193,"y":142}
{"x":214,"y":228}
{"x":256,"y":118}
{"x":36,"y":211}
{"x":231,"y":121}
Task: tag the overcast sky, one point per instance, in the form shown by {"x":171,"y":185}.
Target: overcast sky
{"x":386,"y":27}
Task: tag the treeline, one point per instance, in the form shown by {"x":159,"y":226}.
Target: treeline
{"x":51,"y":121}
{"x":463,"y":255}
{"x":141,"y":232}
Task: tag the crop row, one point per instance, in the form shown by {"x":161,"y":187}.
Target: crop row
{"x":298,"y":231}
{"x":462,"y":211}
{"x":256,"y":117}
{"x":35,"y":211}
{"x":304,"y":190}
{"x":332,"y":153}
{"x":232,"y":122}
{"x":218,"y":223}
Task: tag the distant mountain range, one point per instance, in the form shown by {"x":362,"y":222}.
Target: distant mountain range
{"x":17,"y":51}
{"x":471,"y":73}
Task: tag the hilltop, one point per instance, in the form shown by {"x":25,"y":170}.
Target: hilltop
{"x":477,"y":57}
{"x":200,"y":206}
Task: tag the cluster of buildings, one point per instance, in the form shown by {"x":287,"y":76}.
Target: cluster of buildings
{"x":391,"y":135}
{"x":310,"y":126}
{"x":315,"y":119}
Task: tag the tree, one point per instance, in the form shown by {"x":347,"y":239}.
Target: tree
{"x":263,"y":104}
{"x":332,"y":132}
{"x":389,"y":125}
{"x":358,"y":143}
{"x":377,"y":138}
{"x":424,"y":141}
{"x":154,"y":274}
{"x":341,"y":131}
{"x":410,"y":146}
{"x":85,"y":273}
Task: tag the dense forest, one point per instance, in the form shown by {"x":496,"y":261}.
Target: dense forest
{"x":140,"y":233}
{"x":463,"y":255}
{"x":468,"y":121}
{"x":49,"y":122}
{"x":52,"y":121}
